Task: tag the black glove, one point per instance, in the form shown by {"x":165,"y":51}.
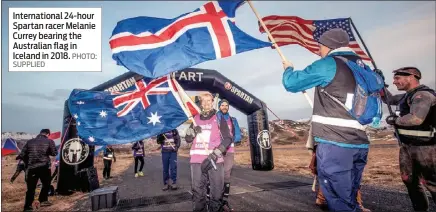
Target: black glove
{"x":197,"y":129}
{"x":379,"y":72}
{"x":391,"y":119}
{"x":210,"y":161}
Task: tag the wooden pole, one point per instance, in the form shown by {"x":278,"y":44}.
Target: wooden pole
{"x":276,"y":46}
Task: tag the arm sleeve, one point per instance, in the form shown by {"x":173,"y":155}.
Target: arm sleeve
{"x":422,"y":101}
{"x":177,"y":138}
{"x":393,"y":99}
{"x":52,"y":148}
{"x":190,"y":134}
{"x":319,"y":73}
{"x":23,"y":153}
{"x":226,"y":138}
{"x":237,"y":137}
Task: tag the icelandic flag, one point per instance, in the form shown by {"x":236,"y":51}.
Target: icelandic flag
{"x":154,"y":47}
{"x":149,"y":108}
{"x":9,"y":147}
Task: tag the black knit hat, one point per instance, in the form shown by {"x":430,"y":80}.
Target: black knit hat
{"x":334,"y":38}
{"x":222,"y":100}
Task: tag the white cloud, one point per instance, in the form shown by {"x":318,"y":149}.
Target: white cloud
{"x":410,"y":43}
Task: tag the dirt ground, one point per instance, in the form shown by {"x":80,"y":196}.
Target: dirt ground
{"x":13,"y":194}
{"x":382,"y":168}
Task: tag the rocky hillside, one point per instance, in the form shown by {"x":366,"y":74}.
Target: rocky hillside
{"x":282,"y":132}
{"x":288,"y":132}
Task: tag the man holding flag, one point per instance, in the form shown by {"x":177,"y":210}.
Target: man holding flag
{"x":169,"y":144}
{"x":342,"y":148}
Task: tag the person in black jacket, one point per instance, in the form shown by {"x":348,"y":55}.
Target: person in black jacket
{"x":36,"y":156}
{"x":108,"y":156}
{"x":170,"y":143}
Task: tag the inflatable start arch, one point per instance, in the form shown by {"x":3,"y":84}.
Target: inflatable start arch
{"x":191,"y":80}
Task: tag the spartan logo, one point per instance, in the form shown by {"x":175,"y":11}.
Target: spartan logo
{"x":264,"y":140}
{"x":228,"y":86}
{"x":75,"y":151}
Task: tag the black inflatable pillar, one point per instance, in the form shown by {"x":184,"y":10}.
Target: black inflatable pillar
{"x":68,"y":175}
{"x":260,"y":140}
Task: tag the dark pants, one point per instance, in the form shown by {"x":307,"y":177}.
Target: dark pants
{"x":169,"y":163}
{"x":199,"y":184}
{"x":418,"y":165}
{"x":340,"y":172}
{"x":229,"y":159}
{"x":107,"y":168}
{"x":55,"y":173}
{"x":33,"y":175}
{"x":139,"y":159}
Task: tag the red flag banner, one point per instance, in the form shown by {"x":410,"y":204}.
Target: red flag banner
{"x":55,"y":135}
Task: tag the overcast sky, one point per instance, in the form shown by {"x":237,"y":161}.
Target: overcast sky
{"x":397,"y":33}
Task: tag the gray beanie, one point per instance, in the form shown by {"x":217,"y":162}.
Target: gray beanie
{"x":335,"y":38}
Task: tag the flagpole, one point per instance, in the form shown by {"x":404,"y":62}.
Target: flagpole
{"x":375,"y":67}
{"x":276,"y":46}
{"x":191,"y":117}
{"x":363,"y":43}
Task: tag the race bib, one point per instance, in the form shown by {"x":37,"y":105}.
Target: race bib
{"x":203,"y":137}
{"x":139,"y":151}
{"x":110,"y":155}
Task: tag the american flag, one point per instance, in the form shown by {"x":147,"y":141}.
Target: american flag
{"x":295,"y":30}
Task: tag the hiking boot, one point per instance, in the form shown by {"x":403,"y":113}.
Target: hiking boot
{"x":46,"y":203}
{"x":174,"y":187}
{"x":166,"y":187}
{"x":364,"y":209}
{"x":141,"y":174}
{"x":136,"y":175}
{"x":28,"y":209}
{"x":226,"y":207}
{"x":322,"y":204}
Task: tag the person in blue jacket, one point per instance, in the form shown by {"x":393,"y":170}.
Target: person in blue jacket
{"x":342,"y":149}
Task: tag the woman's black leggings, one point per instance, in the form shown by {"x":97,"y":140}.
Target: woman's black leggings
{"x":137,"y":159}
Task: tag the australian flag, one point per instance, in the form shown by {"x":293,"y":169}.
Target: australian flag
{"x":154,"y":47}
{"x":149,"y":108}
